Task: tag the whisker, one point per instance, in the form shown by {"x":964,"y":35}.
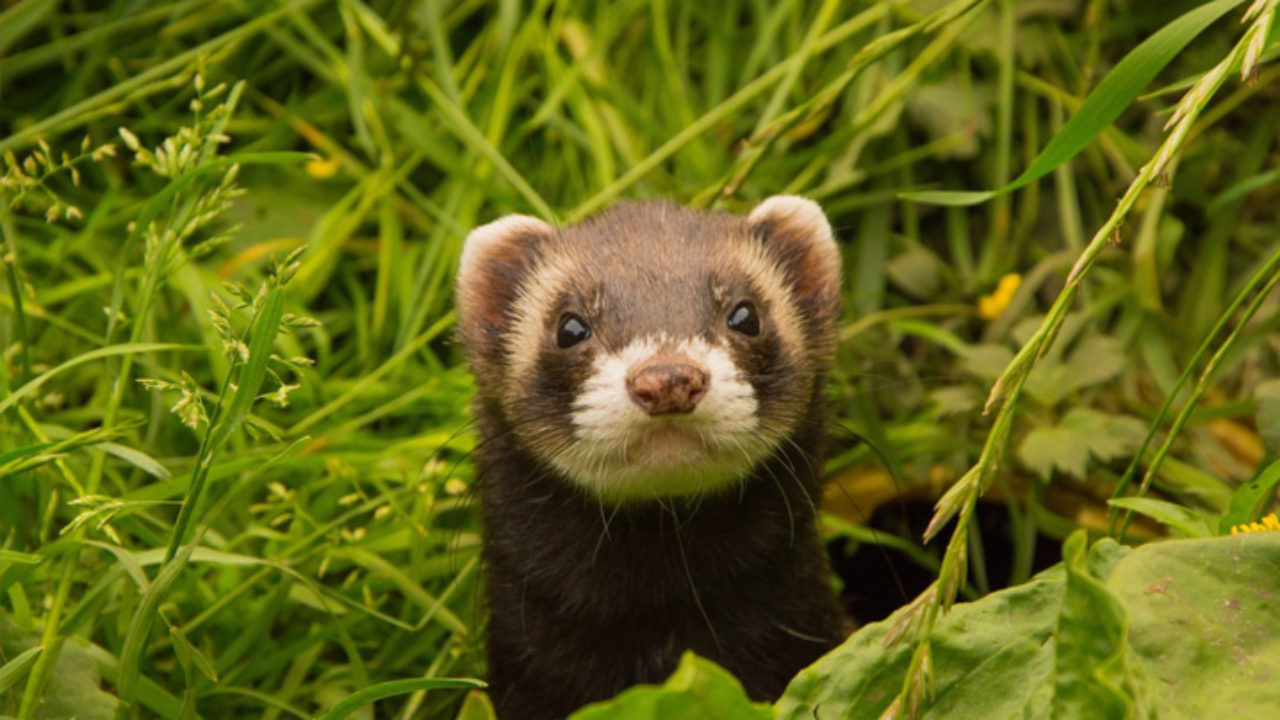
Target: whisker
{"x":902,"y":590}
{"x":604,"y":533}
{"x":693,"y":588}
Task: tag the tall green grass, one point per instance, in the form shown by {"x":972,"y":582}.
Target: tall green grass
{"x":233,"y":425}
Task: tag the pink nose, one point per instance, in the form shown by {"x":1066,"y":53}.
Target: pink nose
{"x":665,"y":385}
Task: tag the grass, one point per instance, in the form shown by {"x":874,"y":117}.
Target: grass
{"x":279,"y":519}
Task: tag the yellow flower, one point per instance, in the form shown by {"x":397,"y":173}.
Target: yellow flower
{"x":321,"y":169}
{"x":1269,"y":523}
{"x":990,"y":306}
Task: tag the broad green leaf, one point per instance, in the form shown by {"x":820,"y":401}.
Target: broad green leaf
{"x":1200,"y":642}
{"x":917,"y":272}
{"x":1203,"y":621}
{"x":1252,"y":499}
{"x":1113,"y":94}
{"x":698,"y":689}
{"x":953,"y":110}
{"x":989,"y":657}
{"x":1095,"y":360}
{"x":1080,"y":433}
{"x":1107,"y":436}
{"x":1090,"y":677}
{"x":954,"y":400}
{"x":1046,"y":449}
{"x":1190,"y":522}
{"x":74,"y":688}
{"x":985,"y":361}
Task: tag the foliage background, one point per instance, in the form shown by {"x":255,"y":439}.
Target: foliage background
{"x":337,"y":548}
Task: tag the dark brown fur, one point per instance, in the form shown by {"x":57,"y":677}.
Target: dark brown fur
{"x":586,"y":601}
{"x":588,"y":598}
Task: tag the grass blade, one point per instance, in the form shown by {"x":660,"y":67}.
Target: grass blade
{"x":109,"y":351}
{"x":12,"y":671}
{"x":1110,"y":98}
{"x":384,"y":690}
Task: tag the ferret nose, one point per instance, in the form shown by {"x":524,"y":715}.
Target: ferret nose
{"x":664,"y":388}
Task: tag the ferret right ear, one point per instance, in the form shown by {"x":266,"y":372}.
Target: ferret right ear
{"x":495,"y":260}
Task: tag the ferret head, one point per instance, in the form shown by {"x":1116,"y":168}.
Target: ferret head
{"x":652,"y":351}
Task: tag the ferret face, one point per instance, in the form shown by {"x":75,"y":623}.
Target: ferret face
{"x":652,"y":351}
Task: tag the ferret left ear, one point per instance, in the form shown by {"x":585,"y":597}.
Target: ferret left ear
{"x":797,"y":233}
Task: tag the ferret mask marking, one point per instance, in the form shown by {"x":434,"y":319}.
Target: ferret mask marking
{"x":648,"y":276}
{"x":623,"y":453}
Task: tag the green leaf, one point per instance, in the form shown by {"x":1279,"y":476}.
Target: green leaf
{"x":698,"y":689}
{"x":1190,"y":481}
{"x":952,"y":197}
{"x":1268,"y":397}
{"x":108,"y":351}
{"x":1239,"y":190}
{"x":917,"y":272}
{"x":140,"y":625}
{"x":985,"y":361}
{"x":1252,"y":499}
{"x":1113,"y":94}
{"x":1107,"y":436}
{"x":138,"y":459}
{"x":1089,"y":673}
{"x":20,"y":18}
{"x":476,"y":706}
{"x":261,"y":341}
{"x":16,"y":669}
{"x":1095,"y":360}
{"x":1202,"y":624}
{"x":74,"y":688}
{"x":21,"y":558}
{"x":1045,"y":449}
{"x":191,"y":655}
{"x":1190,"y":522}
{"x":988,"y":658}
{"x":954,"y":400}
{"x":1200,"y":642}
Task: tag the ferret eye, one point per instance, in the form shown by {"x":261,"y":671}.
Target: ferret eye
{"x":573,"y":330}
{"x":743,"y":319}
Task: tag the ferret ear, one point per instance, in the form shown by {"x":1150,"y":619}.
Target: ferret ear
{"x":495,"y":259}
{"x":797,"y":233}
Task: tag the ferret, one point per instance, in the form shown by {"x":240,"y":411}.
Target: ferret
{"x":649,"y":398}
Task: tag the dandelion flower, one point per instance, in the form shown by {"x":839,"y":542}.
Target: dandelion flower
{"x":1269,"y":523}
{"x":990,"y":306}
{"x":321,"y":169}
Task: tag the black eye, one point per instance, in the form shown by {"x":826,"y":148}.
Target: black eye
{"x":743,"y":319}
{"x":573,"y":330}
